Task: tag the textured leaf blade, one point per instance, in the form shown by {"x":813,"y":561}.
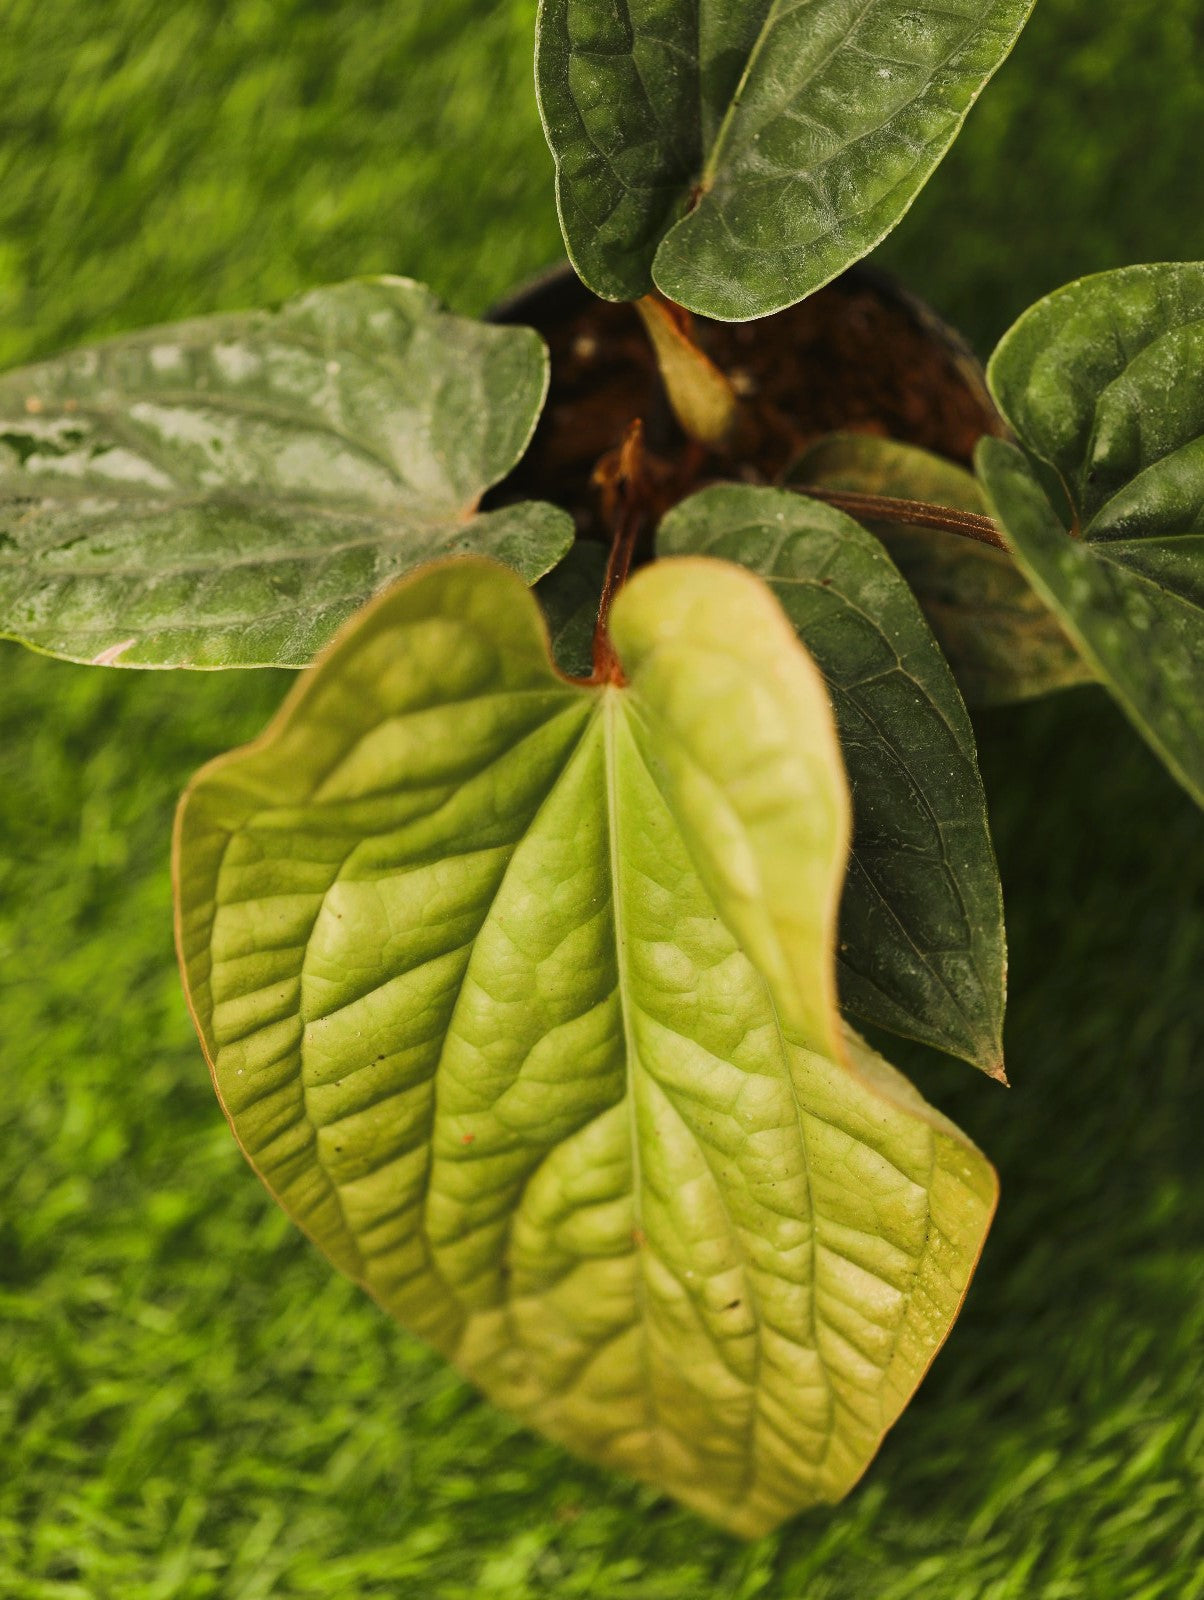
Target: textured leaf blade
{"x":921,"y":930}
{"x":226,"y":492}
{"x":519,"y":996}
{"x":1101,"y":382}
{"x":1101,"y":379}
{"x":739,"y":157}
{"x":1143,"y":637}
{"x":999,"y":637}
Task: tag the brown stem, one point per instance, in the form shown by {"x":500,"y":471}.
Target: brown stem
{"x":625,"y":500}
{"x":915,"y":513}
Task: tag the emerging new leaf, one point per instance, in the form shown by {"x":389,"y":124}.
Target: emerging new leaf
{"x":520,"y":996}
{"x":740,"y":156}
{"x":997,"y":635}
{"x":226,"y":492}
{"x":921,"y":922}
{"x":1105,"y":515}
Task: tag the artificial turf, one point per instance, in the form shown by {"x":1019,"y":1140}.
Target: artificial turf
{"x":191,"y":1404}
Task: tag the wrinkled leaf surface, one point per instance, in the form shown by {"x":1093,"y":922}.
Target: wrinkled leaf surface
{"x":1102,"y":384}
{"x":921,"y":926}
{"x":740,"y":156}
{"x":520,"y":996}
{"x":226,"y":492}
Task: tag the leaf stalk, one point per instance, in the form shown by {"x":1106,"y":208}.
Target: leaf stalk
{"x":914,"y":513}
{"x":623,"y":480}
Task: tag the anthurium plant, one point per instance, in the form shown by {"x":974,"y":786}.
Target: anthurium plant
{"x":629,"y":772}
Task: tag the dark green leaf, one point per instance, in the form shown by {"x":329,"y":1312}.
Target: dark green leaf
{"x":921,"y":932}
{"x":740,"y":156}
{"x":570,"y":595}
{"x":1102,"y":383}
{"x":998,"y":636}
{"x":225,"y":492}
{"x":1142,"y":635}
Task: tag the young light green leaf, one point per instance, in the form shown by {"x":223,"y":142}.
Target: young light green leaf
{"x":1000,"y":639}
{"x":921,"y":923}
{"x":740,"y":156}
{"x":1101,"y":382}
{"x":226,"y":492}
{"x":520,"y":996}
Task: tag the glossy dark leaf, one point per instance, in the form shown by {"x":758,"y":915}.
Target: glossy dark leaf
{"x":569,"y":596}
{"x":741,"y":155}
{"x":1105,"y":511}
{"x":921,"y":933}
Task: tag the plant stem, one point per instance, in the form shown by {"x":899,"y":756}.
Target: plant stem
{"x":624,"y":493}
{"x":915,"y":513}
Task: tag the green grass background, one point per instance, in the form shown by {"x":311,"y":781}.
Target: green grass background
{"x":191,"y":1405}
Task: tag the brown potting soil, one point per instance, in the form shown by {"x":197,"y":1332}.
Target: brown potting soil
{"x":858,"y":356}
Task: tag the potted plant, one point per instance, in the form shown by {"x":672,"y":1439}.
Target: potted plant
{"x":528,"y":967}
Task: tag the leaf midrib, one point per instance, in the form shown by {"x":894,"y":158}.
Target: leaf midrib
{"x":610,"y":710}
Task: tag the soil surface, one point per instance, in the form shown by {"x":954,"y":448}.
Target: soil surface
{"x":859,"y":356}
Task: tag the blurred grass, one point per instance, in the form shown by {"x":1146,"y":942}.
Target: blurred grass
{"x":191,"y":1405}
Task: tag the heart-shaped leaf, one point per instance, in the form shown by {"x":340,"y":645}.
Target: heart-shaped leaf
{"x":998,"y":636}
{"x":921,"y":922}
{"x":226,"y":492}
{"x":1102,"y":384}
{"x":740,"y":156}
{"x":520,"y":996}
